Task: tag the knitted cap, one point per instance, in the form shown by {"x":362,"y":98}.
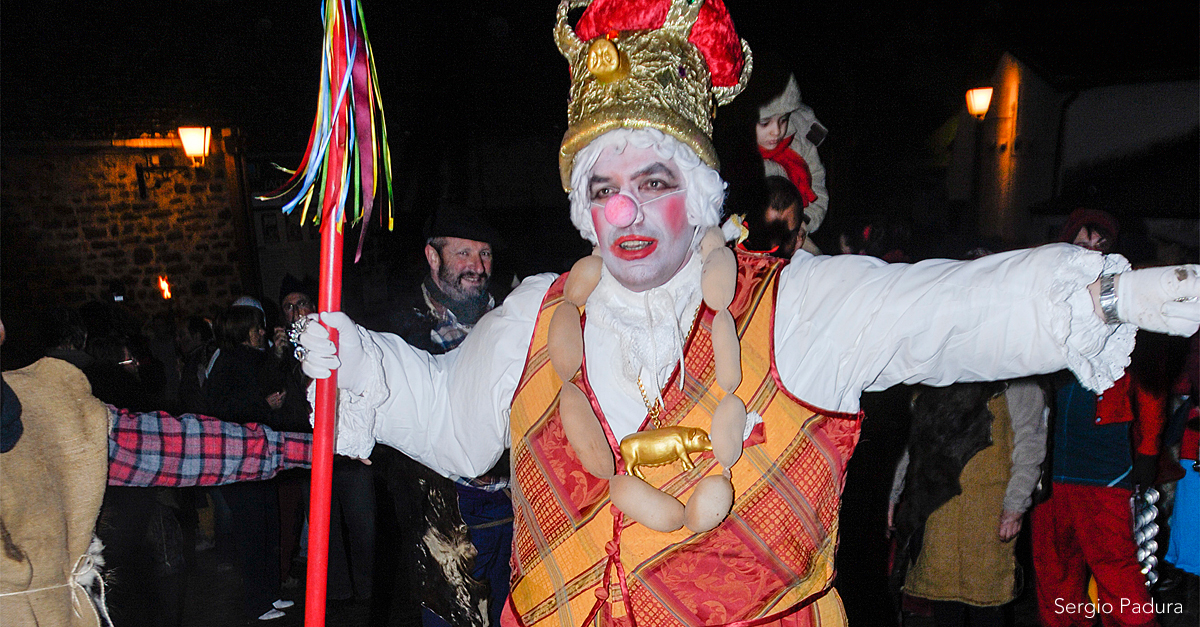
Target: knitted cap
{"x":1094,"y":219}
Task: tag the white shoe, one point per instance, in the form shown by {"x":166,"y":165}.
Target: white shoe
{"x":282,"y":604}
{"x":272,"y":615}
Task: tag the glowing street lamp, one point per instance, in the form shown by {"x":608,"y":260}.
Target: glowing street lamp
{"x":978,"y":100}
{"x":195,"y":142}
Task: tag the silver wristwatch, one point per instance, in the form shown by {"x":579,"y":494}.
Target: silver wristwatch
{"x":1108,"y":298}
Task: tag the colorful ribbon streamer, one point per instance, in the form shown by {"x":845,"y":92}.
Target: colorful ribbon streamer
{"x":347,"y":154}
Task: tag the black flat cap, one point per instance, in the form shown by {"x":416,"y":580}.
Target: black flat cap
{"x":454,"y":220}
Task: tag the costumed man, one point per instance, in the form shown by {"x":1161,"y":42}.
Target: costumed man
{"x":456,"y":534}
{"x":665,"y":345}
{"x":1105,"y":445}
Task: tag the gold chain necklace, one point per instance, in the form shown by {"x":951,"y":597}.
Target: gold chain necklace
{"x":654,"y":409}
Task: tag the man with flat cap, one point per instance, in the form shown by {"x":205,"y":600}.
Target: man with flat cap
{"x":454,"y":295}
{"x":444,"y":522}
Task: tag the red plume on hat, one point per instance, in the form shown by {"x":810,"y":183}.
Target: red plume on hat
{"x":712,"y":34}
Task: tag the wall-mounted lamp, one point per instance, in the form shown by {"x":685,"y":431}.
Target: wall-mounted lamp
{"x":195,"y":140}
{"x":978,"y":100}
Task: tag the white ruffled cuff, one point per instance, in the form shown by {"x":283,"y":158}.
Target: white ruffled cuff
{"x":1096,"y":352}
{"x":356,"y":410}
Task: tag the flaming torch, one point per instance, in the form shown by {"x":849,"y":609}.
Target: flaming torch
{"x":164,"y":287}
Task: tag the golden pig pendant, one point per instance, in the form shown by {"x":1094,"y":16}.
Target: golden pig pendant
{"x":659,"y":447}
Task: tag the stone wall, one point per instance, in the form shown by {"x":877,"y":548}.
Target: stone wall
{"x":74,"y":221}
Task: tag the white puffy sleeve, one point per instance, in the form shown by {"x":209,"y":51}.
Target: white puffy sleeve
{"x":449,"y":412}
{"x":850,"y":323}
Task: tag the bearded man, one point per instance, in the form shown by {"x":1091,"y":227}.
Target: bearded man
{"x":685,"y":347}
{"x":455,"y":294}
{"x":454,"y":537}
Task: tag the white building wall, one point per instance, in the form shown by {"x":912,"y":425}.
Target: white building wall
{"x":1022,"y":151}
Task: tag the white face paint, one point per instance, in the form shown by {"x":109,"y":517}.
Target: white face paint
{"x":651,"y":239}
{"x":621,"y":210}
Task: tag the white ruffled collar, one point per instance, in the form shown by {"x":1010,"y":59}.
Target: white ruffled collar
{"x":651,"y":342}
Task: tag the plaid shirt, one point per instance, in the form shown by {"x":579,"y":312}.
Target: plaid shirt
{"x":158,"y":449}
{"x":448,"y":332}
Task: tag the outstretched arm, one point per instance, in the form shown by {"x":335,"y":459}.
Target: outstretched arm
{"x":158,"y":449}
{"x":850,"y":323}
{"x":449,"y":412}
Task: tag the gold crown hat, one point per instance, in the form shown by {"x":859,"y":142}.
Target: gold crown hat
{"x":663,"y":64}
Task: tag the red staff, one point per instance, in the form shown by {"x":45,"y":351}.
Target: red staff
{"x":346,"y":160}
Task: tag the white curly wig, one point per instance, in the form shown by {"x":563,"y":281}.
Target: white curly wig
{"x":706,"y":190}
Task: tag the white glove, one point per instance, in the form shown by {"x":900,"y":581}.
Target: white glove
{"x":1163,"y":300}
{"x":322,"y":357}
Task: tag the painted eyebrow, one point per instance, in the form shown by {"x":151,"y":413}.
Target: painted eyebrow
{"x":598,"y":179}
{"x":655,"y":168}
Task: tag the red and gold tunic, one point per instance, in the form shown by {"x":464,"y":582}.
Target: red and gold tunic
{"x":577,"y":561}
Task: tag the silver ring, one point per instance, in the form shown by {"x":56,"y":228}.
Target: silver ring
{"x":300,"y":352}
{"x":297,"y":328}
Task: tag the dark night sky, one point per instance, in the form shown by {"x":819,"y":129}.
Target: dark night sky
{"x":98,"y":68}
{"x":881,"y":76}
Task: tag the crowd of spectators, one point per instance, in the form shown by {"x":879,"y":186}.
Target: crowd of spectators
{"x":239,"y":366}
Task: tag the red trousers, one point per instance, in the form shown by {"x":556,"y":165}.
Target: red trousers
{"x":1083,"y":529}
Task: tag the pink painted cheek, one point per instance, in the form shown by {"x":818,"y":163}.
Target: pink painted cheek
{"x":675,"y":214}
{"x":620,"y":211}
{"x":598,"y":222}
